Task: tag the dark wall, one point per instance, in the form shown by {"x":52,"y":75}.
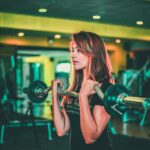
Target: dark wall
{"x":8,"y":71}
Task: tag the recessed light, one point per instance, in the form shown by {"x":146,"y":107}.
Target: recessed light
{"x":50,"y":41}
{"x":139,"y":22}
{"x":96,"y":17}
{"x":118,"y":41}
{"x":20,"y":34}
{"x":57,"y":36}
{"x":42,"y":10}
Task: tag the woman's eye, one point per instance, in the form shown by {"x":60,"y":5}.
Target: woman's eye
{"x":75,"y":50}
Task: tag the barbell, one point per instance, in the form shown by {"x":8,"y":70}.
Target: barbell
{"x":116,"y":98}
{"x":37,"y":91}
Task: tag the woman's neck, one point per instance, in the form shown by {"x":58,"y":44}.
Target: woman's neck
{"x":85,"y":77}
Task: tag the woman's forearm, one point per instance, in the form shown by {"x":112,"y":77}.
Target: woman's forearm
{"x":87,"y":122}
{"x":61,"y":120}
{"x":92,"y":123}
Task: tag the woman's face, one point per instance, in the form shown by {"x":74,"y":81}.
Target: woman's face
{"x":79,"y":60}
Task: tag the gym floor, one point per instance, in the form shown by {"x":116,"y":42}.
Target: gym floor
{"x":129,"y":136}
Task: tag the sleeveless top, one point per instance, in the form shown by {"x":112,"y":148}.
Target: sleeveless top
{"x":76,"y":138}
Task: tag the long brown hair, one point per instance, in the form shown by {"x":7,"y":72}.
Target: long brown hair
{"x":99,"y":68}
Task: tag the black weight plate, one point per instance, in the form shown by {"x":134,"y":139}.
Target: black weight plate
{"x":33,"y":95}
{"x":111,"y":96}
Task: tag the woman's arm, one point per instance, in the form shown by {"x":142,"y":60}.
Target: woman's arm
{"x":61,"y":120}
{"x":92,"y":123}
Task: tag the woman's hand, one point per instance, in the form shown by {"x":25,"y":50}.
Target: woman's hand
{"x":87,"y":88}
{"x":55,"y":84}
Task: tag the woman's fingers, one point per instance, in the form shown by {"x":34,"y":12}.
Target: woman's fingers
{"x":57,"y":83}
{"x":88,"y":87}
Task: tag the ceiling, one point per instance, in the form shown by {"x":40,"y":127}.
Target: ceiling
{"x":118,"y":18}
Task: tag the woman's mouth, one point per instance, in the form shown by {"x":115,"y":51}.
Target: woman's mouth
{"x":74,"y":62}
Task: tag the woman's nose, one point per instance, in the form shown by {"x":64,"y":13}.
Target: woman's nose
{"x":74,"y":54}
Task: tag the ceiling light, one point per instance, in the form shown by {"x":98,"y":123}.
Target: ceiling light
{"x":139,"y":22}
{"x":96,"y":17}
{"x":20,"y":34}
{"x":42,"y":10}
{"x":118,"y":41}
{"x":57,"y":36}
{"x":50,"y":41}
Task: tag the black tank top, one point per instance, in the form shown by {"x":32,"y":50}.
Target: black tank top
{"x":76,"y":138}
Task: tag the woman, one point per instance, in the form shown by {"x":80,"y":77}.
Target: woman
{"x":85,"y":117}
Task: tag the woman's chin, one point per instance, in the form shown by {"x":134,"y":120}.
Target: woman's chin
{"x":77,"y":69}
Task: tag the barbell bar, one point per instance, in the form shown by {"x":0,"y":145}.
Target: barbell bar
{"x":38,"y":91}
{"x":115,"y":98}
